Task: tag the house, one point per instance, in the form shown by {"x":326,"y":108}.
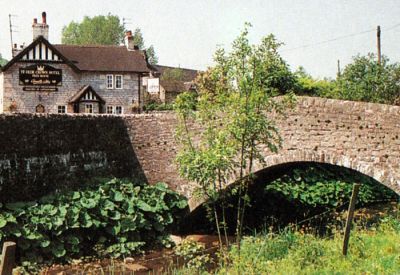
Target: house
{"x":49,"y":78}
{"x":172,"y":82}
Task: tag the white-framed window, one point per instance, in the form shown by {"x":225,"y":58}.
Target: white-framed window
{"x":110,"y":110}
{"x":61,"y":109}
{"x":88,"y":108}
{"x":110,"y":81}
{"x":118,"y":110}
{"x":119,"y":81}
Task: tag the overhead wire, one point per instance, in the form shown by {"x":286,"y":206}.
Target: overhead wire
{"x":338,"y":38}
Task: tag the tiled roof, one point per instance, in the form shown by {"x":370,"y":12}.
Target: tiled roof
{"x":104,"y":58}
{"x":183,"y":84}
{"x":187,"y":74}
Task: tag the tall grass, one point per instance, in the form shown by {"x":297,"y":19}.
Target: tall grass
{"x":372,"y":251}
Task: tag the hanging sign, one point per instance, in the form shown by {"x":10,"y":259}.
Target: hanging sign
{"x":153,"y":85}
{"x":40,"y":75}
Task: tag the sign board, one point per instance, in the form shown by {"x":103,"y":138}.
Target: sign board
{"x":144,"y":80}
{"x":40,"y":89}
{"x":153,"y":85}
{"x":40,"y":75}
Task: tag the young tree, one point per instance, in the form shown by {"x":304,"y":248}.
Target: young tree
{"x":103,"y":30}
{"x":366,"y":80}
{"x":235,"y":98}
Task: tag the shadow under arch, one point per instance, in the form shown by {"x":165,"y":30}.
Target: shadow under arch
{"x":288,"y":212}
{"x":385,"y":176}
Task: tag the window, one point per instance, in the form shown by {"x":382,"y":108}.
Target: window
{"x":61,"y":109}
{"x":89,"y":108}
{"x":110,"y":109}
{"x":118,"y":82}
{"x":110,"y":81}
{"x":118,"y":110}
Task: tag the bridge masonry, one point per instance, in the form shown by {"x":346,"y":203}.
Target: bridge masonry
{"x":361,"y":136}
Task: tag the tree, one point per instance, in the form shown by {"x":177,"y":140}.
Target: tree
{"x":97,"y":30}
{"x":139,"y":41}
{"x":3,"y":61}
{"x":103,"y":30}
{"x":366,"y":80}
{"x":232,"y":106}
{"x":309,"y":86}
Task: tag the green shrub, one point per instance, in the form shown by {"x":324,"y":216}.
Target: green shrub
{"x":154,"y":106}
{"x":115,"y":219}
{"x":327,"y":186}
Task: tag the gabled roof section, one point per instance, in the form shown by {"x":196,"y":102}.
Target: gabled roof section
{"x":187,"y":74}
{"x":101,"y":58}
{"x":184,"y":83}
{"x":86,"y":93}
{"x":40,"y":50}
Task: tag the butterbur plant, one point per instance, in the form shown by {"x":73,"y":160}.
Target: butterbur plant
{"x":193,"y":253}
{"x":117,"y":218}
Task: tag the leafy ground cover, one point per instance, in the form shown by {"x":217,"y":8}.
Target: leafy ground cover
{"x":113,"y":219}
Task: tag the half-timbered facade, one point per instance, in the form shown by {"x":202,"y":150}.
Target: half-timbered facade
{"x":48,"y":78}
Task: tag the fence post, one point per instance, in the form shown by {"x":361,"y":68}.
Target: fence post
{"x":350,"y":214}
{"x":7,"y":258}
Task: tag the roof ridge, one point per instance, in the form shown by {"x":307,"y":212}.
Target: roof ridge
{"x":171,"y":67}
{"x":90,"y":46}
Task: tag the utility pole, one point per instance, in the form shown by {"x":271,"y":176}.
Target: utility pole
{"x":378,"y":37}
{"x":338,"y":68}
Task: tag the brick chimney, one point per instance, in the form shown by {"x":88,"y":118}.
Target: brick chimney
{"x":130,"y":45}
{"x":40,"y":28}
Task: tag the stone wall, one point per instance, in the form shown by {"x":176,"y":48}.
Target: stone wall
{"x":42,"y":153}
{"x":46,"y":150}
{"x":72,"y":82}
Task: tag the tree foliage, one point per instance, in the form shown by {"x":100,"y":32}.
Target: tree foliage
{"x":309,"y":86}
{"x":366,"y":80}
{"x":103,"y":30}
{"x":233,"y":99}
{"x":3,"y":61}
{"x":97,"y":30}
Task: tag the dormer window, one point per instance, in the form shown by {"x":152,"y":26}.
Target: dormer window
{"x":110,"y":81}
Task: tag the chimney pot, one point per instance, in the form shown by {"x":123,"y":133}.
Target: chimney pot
{"x":40,"y":29}
{"x":44,"y":17}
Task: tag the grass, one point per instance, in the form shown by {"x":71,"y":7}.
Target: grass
{"x":372,"y":251}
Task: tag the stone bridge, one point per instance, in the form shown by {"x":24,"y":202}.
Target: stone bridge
{"x":362,"y":136}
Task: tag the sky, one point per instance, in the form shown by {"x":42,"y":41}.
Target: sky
{"x":186,"y":33}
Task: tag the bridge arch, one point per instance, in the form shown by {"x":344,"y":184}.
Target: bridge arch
{"x":383,"y":176}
